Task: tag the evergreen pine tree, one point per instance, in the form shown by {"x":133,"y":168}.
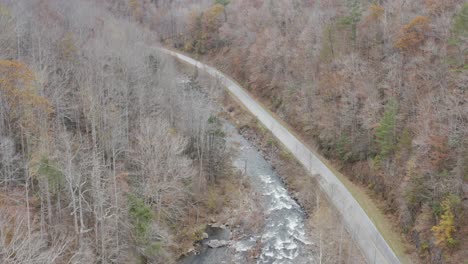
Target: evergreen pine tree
{"x":385,"y":135}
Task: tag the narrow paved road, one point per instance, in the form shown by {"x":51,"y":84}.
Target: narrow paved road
{"x":365,"y":234}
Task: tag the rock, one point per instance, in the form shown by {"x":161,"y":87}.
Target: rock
{"x":218,"y":225}
{"x":218,"y":243}
{"x":212,"y":220}
{"x":204,"y":235}
{"x":190,"y":251}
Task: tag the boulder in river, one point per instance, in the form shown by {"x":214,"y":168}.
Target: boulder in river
{"x":218,"y":243}
{"x":190,"y":251}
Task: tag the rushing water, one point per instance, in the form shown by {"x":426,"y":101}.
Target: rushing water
{"x":283,"y":239}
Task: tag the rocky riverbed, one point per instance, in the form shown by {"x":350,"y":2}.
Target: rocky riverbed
{"x":282,"y":237}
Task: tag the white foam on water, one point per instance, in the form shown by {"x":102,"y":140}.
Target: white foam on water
{"x":293,"y":222}
{"x":278,"y":205}
{"x":244,"y":245}
{"x":291,"y":246}
{"x":268,"y":253}
{"x":284,"y":228}
{"x":266,"y":178}
{"x":283,"y":237}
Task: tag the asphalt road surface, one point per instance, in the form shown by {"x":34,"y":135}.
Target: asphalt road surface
{"x":362,"y":229}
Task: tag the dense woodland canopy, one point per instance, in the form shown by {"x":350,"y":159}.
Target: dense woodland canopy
{"x":106,"y":154}
{"x":103,"y":154}
{"x":378,"y":86}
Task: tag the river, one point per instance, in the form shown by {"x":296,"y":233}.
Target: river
{"x":283,"y":238}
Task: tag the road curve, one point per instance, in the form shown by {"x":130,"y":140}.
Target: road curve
{"x":365,"y":234}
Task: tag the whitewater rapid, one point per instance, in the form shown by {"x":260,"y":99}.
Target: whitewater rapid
{"x":283,"y":238}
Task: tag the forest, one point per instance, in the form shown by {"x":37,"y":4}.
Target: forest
{"x":108,"y":156}
{"x":377,"y":87}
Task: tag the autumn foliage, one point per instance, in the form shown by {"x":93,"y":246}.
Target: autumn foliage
{"x":444,"y":231}
{"x":204,"y":29}
{"x":108,"y":150}
{"x":17,"y":86}
{"x":382,"y":95}
{"x":413,"y":34}
{"x":375,"y":13}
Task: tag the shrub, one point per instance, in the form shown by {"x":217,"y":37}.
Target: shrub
{"x":385,"y":134}
{"x":413,"y":34}
{"x":443,"y":232}
{"x":343,"y":148}
{"x":141,"y":216}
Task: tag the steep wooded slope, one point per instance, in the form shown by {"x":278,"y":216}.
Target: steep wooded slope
{"x":380,"y":88}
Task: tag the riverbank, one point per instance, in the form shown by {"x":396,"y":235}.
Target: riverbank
{"x":334,"y":243}
{"x":371,"y":241}
{"x":330,"y":242}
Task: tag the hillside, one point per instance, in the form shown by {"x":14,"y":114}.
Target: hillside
{"x":107,"y":155}
{"x":113,"y":152}
{"x":378,"y":87}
